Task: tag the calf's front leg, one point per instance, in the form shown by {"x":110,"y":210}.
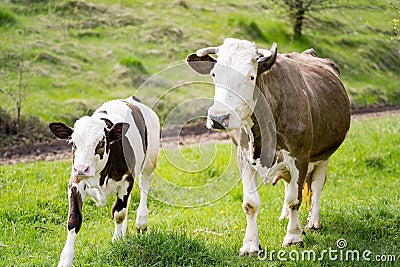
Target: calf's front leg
{"x":120,"y":208}
{"x":74,"y":225}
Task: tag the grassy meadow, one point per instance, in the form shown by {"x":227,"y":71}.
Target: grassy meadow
{"x":360,"y":204}
{"x":74,"y":55}
{"x":63,"y":58}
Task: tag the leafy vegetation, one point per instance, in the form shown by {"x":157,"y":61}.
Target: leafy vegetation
{"x":360,"y":204}
{"x":6,"y":17}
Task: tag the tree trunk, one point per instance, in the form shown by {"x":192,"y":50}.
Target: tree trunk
{"x":298,"y":26}
{"x":299,"y":17}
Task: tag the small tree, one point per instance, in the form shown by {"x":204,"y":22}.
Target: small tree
{"x":299,"y":10}
{"x":17,"y":94}
{"x":17,"y":91}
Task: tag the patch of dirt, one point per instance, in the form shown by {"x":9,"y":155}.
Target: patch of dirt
{"x":373,"y":112}
{"x":47,"y":150}
{"x":51,"y":149}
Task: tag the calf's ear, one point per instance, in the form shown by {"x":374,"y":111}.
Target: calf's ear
{"x":202,"y":65}
{"x":61,"y":130}
{"x":117,"y":132}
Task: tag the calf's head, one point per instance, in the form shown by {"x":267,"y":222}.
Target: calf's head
{"x":234,"y":73}
{"x":91,"y":141}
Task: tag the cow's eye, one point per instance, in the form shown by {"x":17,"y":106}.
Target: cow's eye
{"x":213,"y":74}
{"x":252,"y":77}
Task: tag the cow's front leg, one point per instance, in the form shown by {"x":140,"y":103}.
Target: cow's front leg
{"x":293,"y":195}
{"x":74,"y":225}
{"x":251,"y":205}
{"x":145,"y":180}
{"x":120,"y":208}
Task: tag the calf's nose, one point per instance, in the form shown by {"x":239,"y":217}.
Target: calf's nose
{"x":81,"y":170}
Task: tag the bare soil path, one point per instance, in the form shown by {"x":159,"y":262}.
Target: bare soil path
{"x":51,"y":149}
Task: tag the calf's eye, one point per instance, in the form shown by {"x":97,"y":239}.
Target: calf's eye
{"x":100,"y":145}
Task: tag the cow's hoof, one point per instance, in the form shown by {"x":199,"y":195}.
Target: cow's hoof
{"x":250,"y":249}
{"x":141,"y":231}
{"x":312,"y":226}
{"x":293,"y":240}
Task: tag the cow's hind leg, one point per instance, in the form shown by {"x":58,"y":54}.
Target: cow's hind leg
{"x":285,"y":207}
{"x":317,"y":184}
{"x":293,"y":196}
{"x":121,"y":206}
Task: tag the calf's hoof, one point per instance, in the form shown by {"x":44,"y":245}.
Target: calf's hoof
{"x":293,"y":240}
{"x":250,"y":249}
{"x":141,"y":231}
{"x":116,"y":238}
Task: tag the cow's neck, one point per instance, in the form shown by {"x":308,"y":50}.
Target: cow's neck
{"x":116,"y":165}
{"x":247,"y":126}
{"x":272,"y":98}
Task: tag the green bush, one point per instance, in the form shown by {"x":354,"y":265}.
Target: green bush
{"x":6,"y":17}
{"x":134,"y":64}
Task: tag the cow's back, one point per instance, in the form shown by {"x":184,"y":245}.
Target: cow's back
{"x":329,"y":103}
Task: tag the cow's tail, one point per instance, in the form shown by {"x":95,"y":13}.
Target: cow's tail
{"x":307,"y":193}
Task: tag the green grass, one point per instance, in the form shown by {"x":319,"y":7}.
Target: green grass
{"x":70,"y":50}
{"x":360,"y":203}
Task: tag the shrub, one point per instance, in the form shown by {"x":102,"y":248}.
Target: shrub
{"x":134,"y":64}
{"x":6,"y":17}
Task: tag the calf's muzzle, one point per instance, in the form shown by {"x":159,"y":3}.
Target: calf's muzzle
{"x":81,"y":170}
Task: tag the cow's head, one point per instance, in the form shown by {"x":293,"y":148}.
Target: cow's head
{"x":91,"y":141}
{"x":234,"y":75}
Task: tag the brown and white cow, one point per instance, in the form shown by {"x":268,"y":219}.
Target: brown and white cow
{"x":118,"y":143}
{"x":303,"y":96}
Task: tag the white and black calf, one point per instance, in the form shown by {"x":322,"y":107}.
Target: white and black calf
{"x":118,"y":143}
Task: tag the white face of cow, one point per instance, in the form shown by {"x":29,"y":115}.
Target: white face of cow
{"x":234,"y":74}
{"x":91,"y":140}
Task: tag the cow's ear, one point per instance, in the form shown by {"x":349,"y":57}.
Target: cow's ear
{"x":117,"y":132}
{"x":202,"y":65}
{"x":61,"y":130}
{"x":266,"y":61}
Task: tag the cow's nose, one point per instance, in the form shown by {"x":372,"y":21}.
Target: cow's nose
{"x":219,"y":122}
{"x":81,"y":170}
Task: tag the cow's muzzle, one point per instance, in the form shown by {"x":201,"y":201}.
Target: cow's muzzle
{"x":219,"y":122}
